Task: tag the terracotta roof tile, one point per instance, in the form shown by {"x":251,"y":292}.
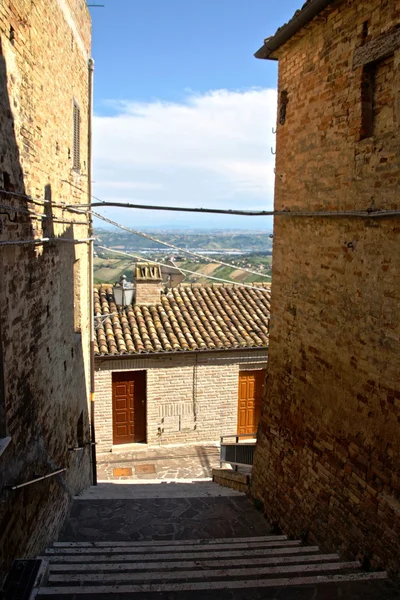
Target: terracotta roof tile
{"x":186,"y":319}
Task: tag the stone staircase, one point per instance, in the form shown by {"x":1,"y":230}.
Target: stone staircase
{"x":132,"y":569}
{"x":188,"y":539}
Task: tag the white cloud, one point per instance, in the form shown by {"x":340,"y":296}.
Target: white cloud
{"x":211,"y":150}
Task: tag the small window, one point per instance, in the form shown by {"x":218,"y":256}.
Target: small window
{"x":77,"y":137}
{"x":367,"y":101}
{"x":3,"y":429}
{"x":80,"y":437}
{"x":77,"y":296}
{"x":284,"y":99}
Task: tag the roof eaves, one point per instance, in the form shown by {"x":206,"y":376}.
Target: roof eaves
{"x":301,"y":18}
{"x":107,"y":357}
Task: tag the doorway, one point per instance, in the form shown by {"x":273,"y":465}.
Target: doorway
{"x":129,"y":407}
{"x":249,"y":404}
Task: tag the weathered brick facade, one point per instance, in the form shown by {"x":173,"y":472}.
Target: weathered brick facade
{"x":190,"y":397}
{"x":44,"y":302}
{"x":328,"y":456}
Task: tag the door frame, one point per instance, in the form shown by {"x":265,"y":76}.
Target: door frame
{"x":130,"y":376}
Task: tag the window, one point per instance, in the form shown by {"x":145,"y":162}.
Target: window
{"x":80,"y":433}
{"x":77,"y":137}
{"x":2,"y":393}
{"x":4,"y":439}
{"x":284,"y":99}
{"x":367,"y":101}
{"x":77,"y":296}
{"x":378,"y":98}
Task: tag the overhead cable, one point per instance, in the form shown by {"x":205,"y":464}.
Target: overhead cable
{"x":44,"y":240}
{"x":25,"y":211}
{"x":370,"y":213}
{"x":42,"y":201}
{"x":177,"y":248}
{"x":244,"y":285}
{"x":31,"y":213}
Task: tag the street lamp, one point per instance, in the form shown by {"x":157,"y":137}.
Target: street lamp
{"x":123,"y":292}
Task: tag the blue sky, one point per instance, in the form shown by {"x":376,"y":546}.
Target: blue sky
{"x":183,"y":111}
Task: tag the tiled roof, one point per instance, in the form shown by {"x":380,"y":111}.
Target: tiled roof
{"x":187,"y":318}
{"x":301,"y":17}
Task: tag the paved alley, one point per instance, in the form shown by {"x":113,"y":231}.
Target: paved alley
{"x":144,"y":462}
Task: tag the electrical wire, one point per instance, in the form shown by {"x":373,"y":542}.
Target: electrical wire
{"x":42,"y":201}
{"x":44,"y":240}
{"x":177,"y":248}
{"x":21,"y":210}
{"x":370,"y":213}
{"x":31,"y":213}
{"x":244,"y":285}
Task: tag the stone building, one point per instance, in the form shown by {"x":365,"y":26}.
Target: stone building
{"x":179,"y":365}
{"x":44,"y":266}
{"x":327,"y":464}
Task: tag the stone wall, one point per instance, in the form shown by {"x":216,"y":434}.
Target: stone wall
{"x":44,"y":302}
{"x":189,"y":397}
{"x":328,"y":456}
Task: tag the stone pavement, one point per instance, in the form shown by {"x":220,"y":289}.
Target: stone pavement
{"x":144,"y":462}
{"x":176,"y":518}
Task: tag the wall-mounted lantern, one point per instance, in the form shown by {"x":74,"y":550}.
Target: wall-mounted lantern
{"x":123,"y":292}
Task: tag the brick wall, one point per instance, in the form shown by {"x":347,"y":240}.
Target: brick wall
{"x":190,"y":398}
{"x":44,"y":50}
{"x":328,"y":457}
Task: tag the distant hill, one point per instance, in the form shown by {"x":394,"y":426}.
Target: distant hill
{"x":208,"y":240}
{"x":242,"y":249}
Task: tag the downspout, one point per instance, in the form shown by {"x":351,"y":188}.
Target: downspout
{"x":91,"y":286}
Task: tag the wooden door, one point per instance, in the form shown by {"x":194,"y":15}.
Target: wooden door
{"x":250,"y":396}
{"x":129,"y":407}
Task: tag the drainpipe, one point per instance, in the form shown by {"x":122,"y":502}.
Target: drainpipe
{"x":91,"y":306}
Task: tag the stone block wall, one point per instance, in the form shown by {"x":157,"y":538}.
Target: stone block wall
{"x":44,"y":301}
{"x":189,"y":397}
{"x":328,"y":456}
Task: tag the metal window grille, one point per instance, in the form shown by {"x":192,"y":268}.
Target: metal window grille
{"x":77,"y":137}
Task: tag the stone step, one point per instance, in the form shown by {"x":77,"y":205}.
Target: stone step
{"x":156,"y":543}
{"x":199,"y":574}
{"x":206,"y":585}
{"x":160,"y":556}
{"x":117,"y":567}
{"x":171,"y":549}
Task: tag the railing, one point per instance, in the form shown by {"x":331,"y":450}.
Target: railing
{"x":79,"y":448}
{"x":236,"y":453}
{"x":21,"y":485}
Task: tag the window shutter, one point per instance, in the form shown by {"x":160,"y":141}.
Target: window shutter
{"x":77,"y":137}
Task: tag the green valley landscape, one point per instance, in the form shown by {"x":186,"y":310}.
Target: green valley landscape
{"x":251,"y":250}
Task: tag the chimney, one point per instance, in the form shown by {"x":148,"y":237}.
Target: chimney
{"x":148,"y":283}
